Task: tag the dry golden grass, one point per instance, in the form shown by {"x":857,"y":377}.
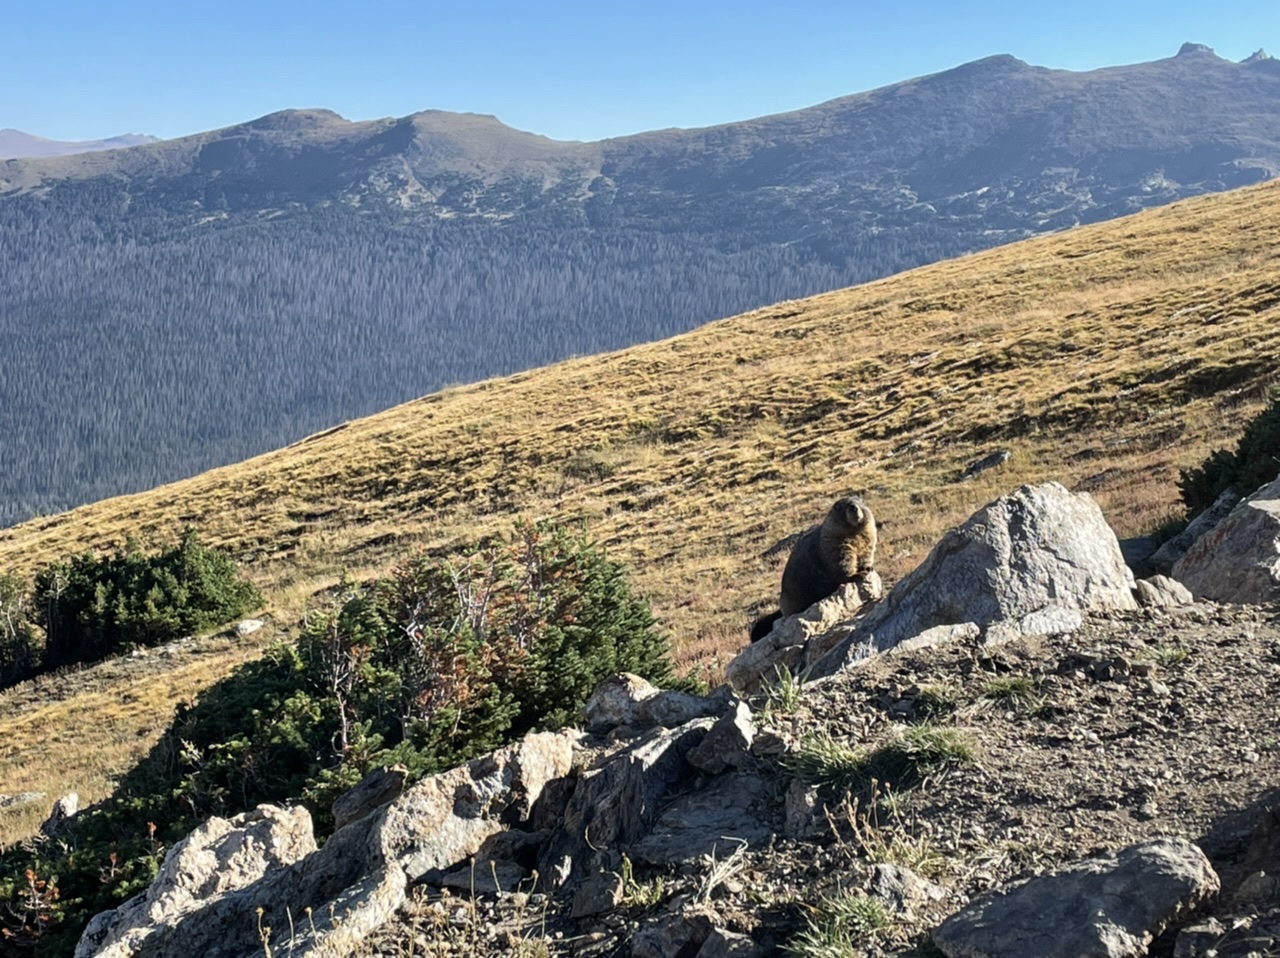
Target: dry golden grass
{"x":80,"y":731}
{"x":1106,"y":357}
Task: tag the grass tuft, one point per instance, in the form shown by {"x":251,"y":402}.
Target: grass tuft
{"x":903,"y":762}
{"x":840,"y":926}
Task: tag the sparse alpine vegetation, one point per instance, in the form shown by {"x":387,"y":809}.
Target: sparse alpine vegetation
{"x":438,"y":662}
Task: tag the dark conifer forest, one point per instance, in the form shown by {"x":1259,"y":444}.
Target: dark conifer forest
{"x":183,"y":304}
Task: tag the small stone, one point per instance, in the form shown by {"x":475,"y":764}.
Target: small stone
{"x":246,"y":627}
{"x":1199,"y":940}
{"x":599,"y":893}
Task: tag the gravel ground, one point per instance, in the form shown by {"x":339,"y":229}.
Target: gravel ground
{"x":1159,"y":722}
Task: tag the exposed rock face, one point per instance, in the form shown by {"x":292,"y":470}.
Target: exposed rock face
{"x":1111,"y":906}
{"x":1027,"y":564}
{"x":1238,"y":560}
{"x":629,"y":701}
{"x":1161,"y":592}
{"x":219,"y":858}
{"x":797,"y":641}
{"x":618,"y":801}
{"x":380,"y":786}
{"x":266,"y":859}
{"x":1164,"y":558}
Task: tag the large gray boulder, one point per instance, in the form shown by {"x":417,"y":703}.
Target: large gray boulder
{"x":1238,"y":560}
{"x":218,"y":886}
{"x":1027,"y":564}
{"x":1111,"y":906}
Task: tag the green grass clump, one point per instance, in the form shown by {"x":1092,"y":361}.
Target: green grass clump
{"x":937,"y":702}
{"x":840,"y":926}
{"x":900,"y":763}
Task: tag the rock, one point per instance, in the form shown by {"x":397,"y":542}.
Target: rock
{"x":714,"y":822}
{"x":1110,"y":906}
{"x":599,"y":893}
{"x":997,"y":458}
{"x":1026,"y":564}
{"x":672,"y":935}
{"x":487,"y":877}
{"x":798,"y":640}
{"x":728,"y":743}
{"x":1161,"y":592}
{"x":225,"y":871}
{"x":1239,"y":559}
{"x":803,"y":811}
{"x":495,"y":867}
{"x":1164,"y":558}
{"x":374,"y":790}
{"x":727,"y":944}
{"x":22,"y":798}
{"x":627,"y":700}
{"x":901,"y":888}
{"x":62,"y":810}
{"x":218,"y":858}
{"x":246,"y":627}
{"x":1199,"y":940}
{"x":617,"y":802}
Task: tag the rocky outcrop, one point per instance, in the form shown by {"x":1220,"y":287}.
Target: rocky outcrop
{"x":630,"y":702}
{"x":380,"y":786}
{"x":797,"y":641}
{"x":62,"y":811}
{"x":1111,"y":906}
{"x":265,"y":863}
{"x":1027,"y":564}
{"x":1238,"y":560}
{"x":574,"y":834}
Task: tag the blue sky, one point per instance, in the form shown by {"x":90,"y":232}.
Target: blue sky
{"x":83,"y":69}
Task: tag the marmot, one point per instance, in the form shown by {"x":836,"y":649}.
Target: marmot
{"x":829,"y":554}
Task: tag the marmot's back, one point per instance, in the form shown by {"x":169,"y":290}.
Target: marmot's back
{"x":826,"y":556}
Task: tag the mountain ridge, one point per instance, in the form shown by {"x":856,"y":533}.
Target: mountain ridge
{"x":16,"y":144}
{"x":301,"y":270}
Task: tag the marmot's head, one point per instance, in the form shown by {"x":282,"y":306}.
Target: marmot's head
{"x":852,"y":512}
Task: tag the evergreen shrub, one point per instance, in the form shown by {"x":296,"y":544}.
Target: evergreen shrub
{"x":93,"y":606}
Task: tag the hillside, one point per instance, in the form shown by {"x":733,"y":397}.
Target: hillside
{"x":1106,"y":357}
{"x":195,"y":301}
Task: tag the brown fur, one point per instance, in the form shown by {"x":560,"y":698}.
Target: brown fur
{"x":837,"y":550}
{"x":831,"y":553}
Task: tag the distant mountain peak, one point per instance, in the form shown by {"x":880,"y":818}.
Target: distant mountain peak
{"x":1187,"y":49}
{"x":298,"y":120}
{"x":15,"y":144}
{"x":1257,"y":56}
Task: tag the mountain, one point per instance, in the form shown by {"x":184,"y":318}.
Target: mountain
{"x":190,"y":302}
{"x":1106,"y":358}
{"x":14,"y":144}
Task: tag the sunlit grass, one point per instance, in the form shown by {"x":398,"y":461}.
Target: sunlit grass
{"x":1106,"y":357}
